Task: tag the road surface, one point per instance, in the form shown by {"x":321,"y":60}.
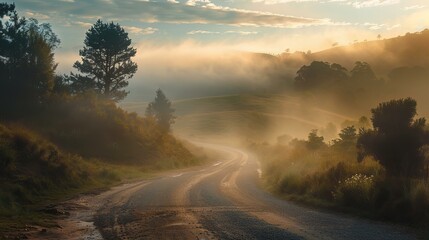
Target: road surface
{"x":223,"y":201}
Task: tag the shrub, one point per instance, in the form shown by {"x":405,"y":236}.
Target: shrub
{"x":355,"y":191}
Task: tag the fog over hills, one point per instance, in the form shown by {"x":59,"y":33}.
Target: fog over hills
{"x":196,"y":72}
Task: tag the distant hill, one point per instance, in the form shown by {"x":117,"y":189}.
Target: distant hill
{"x":383,"y":55}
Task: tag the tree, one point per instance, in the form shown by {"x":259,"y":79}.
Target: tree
{"x":106,"y":61}
{"x":348,"y":134}
{"x":314,"y":141}
{"x":362,"y":72}
{"x":397,"y":138}
{"x":364,"y":122}
{"x":320,"y":74}
{"x":161,"y":110}
{"x":347,"y":140}
{"x":27,"y":63}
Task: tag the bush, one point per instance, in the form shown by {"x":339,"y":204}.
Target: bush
{"x":355,"y":191}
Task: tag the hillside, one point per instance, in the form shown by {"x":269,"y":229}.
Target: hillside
{"x":383,"y":55}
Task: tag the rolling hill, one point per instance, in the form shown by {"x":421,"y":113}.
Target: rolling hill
{"x":383,"y":55}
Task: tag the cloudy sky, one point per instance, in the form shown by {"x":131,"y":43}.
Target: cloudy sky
{"x":269,"y":26}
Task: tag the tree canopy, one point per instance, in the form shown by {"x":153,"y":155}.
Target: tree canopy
{"x":106,"y":61}
{"x":347,"y":139}
{"x":319,"y":74}
{"x":362,"y":72}
{"x":314,"y":141}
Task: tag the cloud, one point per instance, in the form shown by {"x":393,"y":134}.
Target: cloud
{"x":354,"y":3}
{"x":206,"y":12}
{"x":195,"y":2}
{"x":375,"y":26}
{"x":190,"y":12}
{"x":269,"y":2}
{"x":373,"y":3}
{"x":137,"y":30}
{"x":82,"y":24}
{"x":201,"y":32}
{"x":242,"y":32}
{"x":226,"y":32}
{"x":35,"y":15}
{"x":414,"y":7}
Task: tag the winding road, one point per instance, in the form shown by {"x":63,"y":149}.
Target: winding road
{"x":223,"y":201}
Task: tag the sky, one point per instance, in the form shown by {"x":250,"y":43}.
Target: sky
{"x":207,"y":27}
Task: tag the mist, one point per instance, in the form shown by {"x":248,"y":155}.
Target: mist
{"x":218,"y":92}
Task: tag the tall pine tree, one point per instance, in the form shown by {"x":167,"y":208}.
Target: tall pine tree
{"x":106,"y":61}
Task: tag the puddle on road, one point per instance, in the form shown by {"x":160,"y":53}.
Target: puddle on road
{"x":91,"y":233}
